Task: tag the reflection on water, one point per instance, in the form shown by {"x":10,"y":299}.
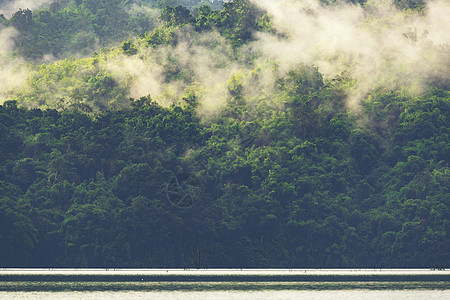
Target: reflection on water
{"x":215,"y":286}
{"x":223,"y":284}
{"x":230,"y":295}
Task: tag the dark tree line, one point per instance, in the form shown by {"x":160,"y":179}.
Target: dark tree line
{"x":150,"y":186}
{"x":303,"y":183}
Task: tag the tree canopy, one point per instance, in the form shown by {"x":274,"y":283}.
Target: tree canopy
{"x":282,"y":174}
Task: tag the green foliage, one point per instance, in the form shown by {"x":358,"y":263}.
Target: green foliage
{"x":98,"y":190}
{"x":128,"y":47}
{"x":237,"y":21}
{"x":80,"y":84}
{"x":418,"y":5}
{"x":161,"y":36}
{"x":77,"y":27}
{"x":283,"y":177}
{"x":178,"y":15}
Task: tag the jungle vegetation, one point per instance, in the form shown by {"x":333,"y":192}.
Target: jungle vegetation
{"x":93,"y":177}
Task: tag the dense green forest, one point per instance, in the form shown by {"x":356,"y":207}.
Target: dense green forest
{"x":170,"y":134}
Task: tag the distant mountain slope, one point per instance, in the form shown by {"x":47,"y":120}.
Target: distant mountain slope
{"x":263,"y":134}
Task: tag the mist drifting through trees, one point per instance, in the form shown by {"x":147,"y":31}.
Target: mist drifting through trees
{"x":237,"y":134}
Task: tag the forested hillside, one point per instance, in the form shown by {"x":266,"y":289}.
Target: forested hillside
{"x":237,"y":134}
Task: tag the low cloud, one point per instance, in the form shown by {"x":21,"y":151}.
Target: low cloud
{"x":201,"y":63}
{"x":8,"y":8}
{"x":13,"y":70}
{"x":379,"y":45}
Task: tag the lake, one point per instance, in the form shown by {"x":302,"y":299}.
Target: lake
{"x":224,"y":284}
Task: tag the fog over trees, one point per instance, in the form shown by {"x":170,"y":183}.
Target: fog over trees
{"x":245,"y":133}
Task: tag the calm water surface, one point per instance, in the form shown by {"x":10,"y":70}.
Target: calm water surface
{"x":223,"y":284}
